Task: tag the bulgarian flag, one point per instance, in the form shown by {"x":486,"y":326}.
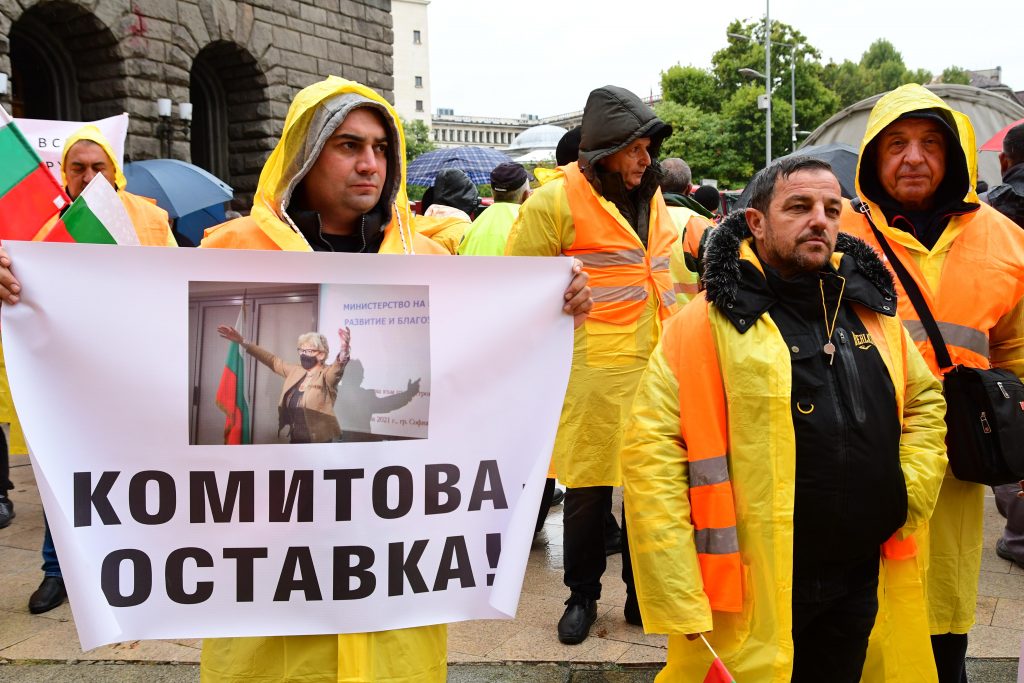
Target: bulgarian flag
{"x":231,"y":392}
{"x":717,"y":673}
{"x":97,"y":216}
{"x":29,"y":195}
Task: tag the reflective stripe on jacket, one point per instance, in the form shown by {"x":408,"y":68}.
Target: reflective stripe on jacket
{"x":622,"y":272}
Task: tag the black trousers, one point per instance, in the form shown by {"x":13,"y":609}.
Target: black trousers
{"x":831,"y":629}
{"x":584,"y":516}
{"x":5,"y":467}
{"x":950,"y":651}
{"x":545,"y":503}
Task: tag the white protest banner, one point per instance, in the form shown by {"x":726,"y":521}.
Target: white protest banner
{"x":164,"y":532}
{"x":47,"y":137}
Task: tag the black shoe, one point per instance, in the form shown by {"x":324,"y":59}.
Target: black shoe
{"x":557,"y":497}
{"x":580,"y":613}
{"x":1004,"y":552}
{"x":50,"y":594}
{"x":632,"y":611}
{"x":6,"y":512}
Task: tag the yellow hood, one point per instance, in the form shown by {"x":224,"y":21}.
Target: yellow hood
{"x":317,"y":110}
{"x":905,"y":99}
{"x":92,"y":134}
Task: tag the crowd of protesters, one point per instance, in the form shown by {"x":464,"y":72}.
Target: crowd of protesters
{"x":759,"y":384}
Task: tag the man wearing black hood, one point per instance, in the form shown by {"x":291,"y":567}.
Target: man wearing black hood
{"x":607,"y":210}
{"x":449,"y":206}
{"x":915,"y":177}
{"x":1008,"y":198}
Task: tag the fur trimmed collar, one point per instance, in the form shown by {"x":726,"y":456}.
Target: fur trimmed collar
{"x":722,"y":266}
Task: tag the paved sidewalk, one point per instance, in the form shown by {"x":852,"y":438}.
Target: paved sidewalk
{"x":46,"y":648}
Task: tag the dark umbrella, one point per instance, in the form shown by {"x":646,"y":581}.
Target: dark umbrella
{"x":477,"y":162}
{"x":179,"y":188}
{"x":841,"y":156}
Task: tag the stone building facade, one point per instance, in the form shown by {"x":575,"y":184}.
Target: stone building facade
{"x":238,"y":63}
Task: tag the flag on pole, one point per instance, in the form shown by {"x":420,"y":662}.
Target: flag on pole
{"x":231,"y":391}
{"x":29,"y":195}
{"x":97,"y":216}
{"x":717,"y":673}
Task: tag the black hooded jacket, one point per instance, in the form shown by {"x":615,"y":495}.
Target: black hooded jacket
{"x":1008,"y":198}
{"x":612,"y":120}
{"x":850,"y":492}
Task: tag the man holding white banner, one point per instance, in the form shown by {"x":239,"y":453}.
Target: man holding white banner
{"x":335,"y":182}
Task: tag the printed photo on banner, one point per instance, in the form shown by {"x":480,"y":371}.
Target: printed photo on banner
{"x":299,"y":363}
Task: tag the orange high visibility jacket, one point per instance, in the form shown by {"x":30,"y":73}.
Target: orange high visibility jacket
{"x":984,"y":253}
{"x":705,"y":432}
{"x":622,"y":273}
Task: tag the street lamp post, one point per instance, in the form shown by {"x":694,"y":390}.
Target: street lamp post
{"x":768,"y":85}
{"x":753,"y":73}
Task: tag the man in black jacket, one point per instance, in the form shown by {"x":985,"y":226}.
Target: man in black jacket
{"x":1008,"y":198}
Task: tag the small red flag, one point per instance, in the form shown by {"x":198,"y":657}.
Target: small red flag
{"x":718,"y":673}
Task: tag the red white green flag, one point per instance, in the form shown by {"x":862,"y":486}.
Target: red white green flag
{"x":29,"y":194}
{"x":231,"y":391}
{"x":97,"y":216}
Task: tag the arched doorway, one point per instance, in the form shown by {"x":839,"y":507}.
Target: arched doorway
{"x":231,"y":124}
{"x":64,"y":64}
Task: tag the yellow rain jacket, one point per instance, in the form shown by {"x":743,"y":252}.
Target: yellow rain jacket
{"x":151,"y":223}
{"x":754,"y":369}
{"x":15,"y":437}
{"x":489,"y":232}
{"x":607,"y":360}
{"x":445,"y":230}
{"x":409,"y":655}
{"x":974,"y":278}
{"x":686,"y":282}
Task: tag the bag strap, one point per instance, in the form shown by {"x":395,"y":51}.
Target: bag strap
{"x":911,"y":288}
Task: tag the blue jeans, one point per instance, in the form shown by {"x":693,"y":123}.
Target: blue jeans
{"x":51,"y":566}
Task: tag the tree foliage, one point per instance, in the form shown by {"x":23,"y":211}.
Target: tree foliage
{"x":417,"y":139}
{"x":955,"y":74}
{"x":718,"y":128}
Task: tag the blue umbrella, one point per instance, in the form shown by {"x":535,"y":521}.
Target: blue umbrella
{"x":193,"y":225}
{"x":178,"y":187}
{"x":477,"y":162}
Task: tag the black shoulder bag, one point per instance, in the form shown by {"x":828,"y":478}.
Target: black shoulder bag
{"x":984,"y":408}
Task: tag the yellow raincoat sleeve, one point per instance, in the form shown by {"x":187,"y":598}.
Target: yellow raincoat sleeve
{"x":544,"y":226}
{"x":655,"y":483}
{"x":923,"y":444}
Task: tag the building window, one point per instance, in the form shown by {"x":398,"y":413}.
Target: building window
{"x":419,"y":105}
{"x":416,"y":38}
{"x":419,"y":81}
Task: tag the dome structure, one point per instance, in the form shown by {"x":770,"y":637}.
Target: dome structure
{"x":542,"y":137}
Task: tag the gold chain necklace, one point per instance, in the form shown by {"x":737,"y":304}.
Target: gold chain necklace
{"x":830,"y":348}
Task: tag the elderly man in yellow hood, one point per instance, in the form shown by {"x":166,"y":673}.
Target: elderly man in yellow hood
{"x":916,"y":175}
{"x":336,"y":182}
{"x":88,"y":153}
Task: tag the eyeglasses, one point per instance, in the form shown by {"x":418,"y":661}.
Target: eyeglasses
{"x":308,"y":352}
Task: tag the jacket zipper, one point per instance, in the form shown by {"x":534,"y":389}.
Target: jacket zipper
{"x":852,"y":376}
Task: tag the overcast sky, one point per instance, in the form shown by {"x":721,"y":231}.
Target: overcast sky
{"x":509,"y":58}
